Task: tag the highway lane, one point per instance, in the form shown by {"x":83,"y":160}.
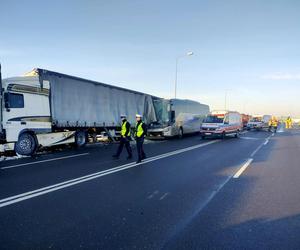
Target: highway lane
{"x":145,"y":206}
{"x":260,"y":210}
{"x":49,"y":169}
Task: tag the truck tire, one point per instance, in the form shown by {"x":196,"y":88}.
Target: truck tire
{"x":180,"y":134}
{"x":26,"y":144}
{"x":80,"y":139}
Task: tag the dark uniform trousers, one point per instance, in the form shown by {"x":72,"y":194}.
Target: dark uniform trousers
{"x":140,"y":148}
{"x":124,"y":141}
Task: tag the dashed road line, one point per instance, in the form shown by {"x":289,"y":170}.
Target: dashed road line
{"x":243,"y":168}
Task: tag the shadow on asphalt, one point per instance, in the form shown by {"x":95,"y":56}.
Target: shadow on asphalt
{"x":212,"y":228}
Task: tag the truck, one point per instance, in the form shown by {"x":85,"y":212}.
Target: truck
{"x":245,"y":119}
{"x":259,"y":122}
{"x":221,"y":124}
{"x":45,"y":108}
{"x":176,"y":117}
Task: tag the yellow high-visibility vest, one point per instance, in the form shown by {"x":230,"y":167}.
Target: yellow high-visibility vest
{"x":139,"y":130}
{"x":123,"y":131}
{"x":274,"y":123}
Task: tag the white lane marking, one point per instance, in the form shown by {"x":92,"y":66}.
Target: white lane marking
{"x":153,"y":194}
{"x":37,"y":162}
{"x":164,"y":196}
{"x":249,"y":138}
{"x":38,"y":192}
{"x":260,"y":146}
{"x":256,"y":150}
{"x":243,"y":168}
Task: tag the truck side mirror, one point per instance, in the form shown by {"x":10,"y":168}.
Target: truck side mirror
{"x":172,"y":116}
{"x":6,"y":101}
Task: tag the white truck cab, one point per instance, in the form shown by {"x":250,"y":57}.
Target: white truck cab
{"x":26,"y":116}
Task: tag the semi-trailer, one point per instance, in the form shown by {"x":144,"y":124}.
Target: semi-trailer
{"x":45,"y":108}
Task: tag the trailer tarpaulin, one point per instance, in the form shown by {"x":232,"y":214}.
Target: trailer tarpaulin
{"x":79,"y":102}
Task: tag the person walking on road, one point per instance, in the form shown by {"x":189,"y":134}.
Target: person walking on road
{"x":140,"y":132}
{"x":273,"y":124}
{"x":125,"y":138}
{"x":288,"y":123}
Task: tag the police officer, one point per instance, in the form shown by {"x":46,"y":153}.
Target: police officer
{"x":140,"y":132}
{"x":125,"y":138}
{"x":274,"y":124}
{"x":289,"y":123}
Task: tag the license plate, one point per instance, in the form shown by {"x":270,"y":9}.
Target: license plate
{"x":207,"y":133}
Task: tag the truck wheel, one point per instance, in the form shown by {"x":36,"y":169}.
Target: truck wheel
{"x":80,"y":139}
{"x":26,"y":144}
{"x":180,"y":135}
{"x":203,"y":137}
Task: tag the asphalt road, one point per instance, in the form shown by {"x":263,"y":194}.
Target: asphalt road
{"x":237,"y":193}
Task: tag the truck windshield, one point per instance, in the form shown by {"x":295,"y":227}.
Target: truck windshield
{"x":213,"y":119}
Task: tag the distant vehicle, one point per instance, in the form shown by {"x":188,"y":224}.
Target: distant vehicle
{"x":176,"y":117}
{"x":45,"y":108}
{"x":245,"y":119}
{"x":221,"y":124}
{"x":259,"y":122}
{"x":296,"y":121}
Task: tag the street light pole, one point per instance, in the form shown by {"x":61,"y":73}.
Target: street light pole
{"x":176,"y":69}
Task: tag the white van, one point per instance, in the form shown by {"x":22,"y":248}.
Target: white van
{"x":221,"y":124}
{"x":259,"y":122}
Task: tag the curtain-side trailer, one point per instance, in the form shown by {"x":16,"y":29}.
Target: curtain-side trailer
{"x":46,"y":108}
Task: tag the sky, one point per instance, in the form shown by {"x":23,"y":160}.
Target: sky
{"x":247,"y":50}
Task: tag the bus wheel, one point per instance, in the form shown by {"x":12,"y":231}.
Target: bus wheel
{"x":237,"y":134}
{"x":26,"y":144}
{"x":180,"y":135}
{"x":80,"y":139}
{"x":223,"y":136}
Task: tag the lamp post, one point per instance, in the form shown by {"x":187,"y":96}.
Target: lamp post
{"x":177,"y":59}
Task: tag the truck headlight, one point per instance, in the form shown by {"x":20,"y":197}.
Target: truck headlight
{"x":167,"y":129}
